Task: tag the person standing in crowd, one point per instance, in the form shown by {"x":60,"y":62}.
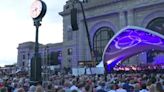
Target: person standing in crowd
{"x":159,"y":87}
{"x":21,"y":90}
{"x":67,"y":86}
{"x":152,"y":86}
{"x":120,"y":89}
{"x":144,"y":88}
{"x":113,"y":88}
{"x":39,"y":87}
{"x":73,"y":86}
{"x":32,"y":88}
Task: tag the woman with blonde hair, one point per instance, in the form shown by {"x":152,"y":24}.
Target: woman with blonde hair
{"x":21,"y":90}
{"x":39,"y":88}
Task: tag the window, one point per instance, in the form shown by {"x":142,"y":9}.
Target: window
{"x":156,"y":25}
{"x":60,"y":53}
{"x":24,"y":57}
{"x":69,"y":62}
{"x":101,"y":38}
{"x":23,"y":63}
{"x":54,"y":58}
{"x":69,"y":51}
{"x":28,"y":55}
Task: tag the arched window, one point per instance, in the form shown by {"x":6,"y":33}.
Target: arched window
{"x":156,"y":25}
{"x":100,"y":40}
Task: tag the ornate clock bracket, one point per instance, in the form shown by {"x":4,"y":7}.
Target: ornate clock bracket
{"x":37,"y":22}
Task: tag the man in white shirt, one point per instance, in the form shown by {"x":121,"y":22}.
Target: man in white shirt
{"x":143,"y":88}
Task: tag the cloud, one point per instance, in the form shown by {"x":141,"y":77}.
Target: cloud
{"x":51,"y":33}
{"x":17,"y":26}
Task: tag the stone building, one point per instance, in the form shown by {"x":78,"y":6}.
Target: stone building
{"x":104,"y":19}
{"x":50,"y":54}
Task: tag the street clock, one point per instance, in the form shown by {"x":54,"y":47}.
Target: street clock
{"x":38,"y":9}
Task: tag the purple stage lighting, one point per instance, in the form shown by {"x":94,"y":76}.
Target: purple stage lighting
{"x":128,"y":42}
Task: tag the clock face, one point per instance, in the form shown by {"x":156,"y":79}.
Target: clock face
{"x":36,"y":8}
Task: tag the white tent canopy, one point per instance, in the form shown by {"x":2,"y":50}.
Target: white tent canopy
{"x":99,"y":69}
{"x":101,"y":64}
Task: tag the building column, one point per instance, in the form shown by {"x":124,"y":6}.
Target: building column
{"x":122,"y":19}
{"x":81,"y":41}
{"x":130,"y":17}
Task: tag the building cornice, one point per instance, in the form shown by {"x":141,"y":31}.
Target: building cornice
{"x":134,"y":4}
{"x":90,"y":5}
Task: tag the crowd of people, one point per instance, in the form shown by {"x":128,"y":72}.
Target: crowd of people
{"x":114,"y":82}
{"x":146,"y":68}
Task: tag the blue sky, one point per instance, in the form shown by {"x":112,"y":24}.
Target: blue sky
{"x":16,"y":26}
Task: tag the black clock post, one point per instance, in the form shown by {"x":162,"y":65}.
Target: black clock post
{"x":35,"y":75}
{"x":38,"y":10}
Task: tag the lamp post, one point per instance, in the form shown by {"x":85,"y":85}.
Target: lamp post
{"x":38,"y":10}
{"x":86,"y":27}
{"x":74,"y":26}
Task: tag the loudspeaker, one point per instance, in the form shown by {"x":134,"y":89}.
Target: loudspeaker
{"x":35,"y":72}
{"x":74,"y":24}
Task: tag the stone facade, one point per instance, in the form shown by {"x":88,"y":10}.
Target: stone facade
{"x":26,"y":53}
{"x":113,"y":14}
